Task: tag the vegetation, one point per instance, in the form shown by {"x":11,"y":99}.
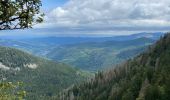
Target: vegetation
{"x":19,"y":14}
{"x":145,"y":77}
{"x":81,"y":53}
{"x":42,"y":78}
{"x":10,"y":91}
{"x":94,"y":56}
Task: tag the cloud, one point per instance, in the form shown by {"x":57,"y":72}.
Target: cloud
{"x":101,"y":16}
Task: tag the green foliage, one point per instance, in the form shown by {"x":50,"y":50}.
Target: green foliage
{"x":42,"y":78}
{"x":87,"y":56}
{"x":145,"y":77}
{"x":11,"y":91}
{"x":19,"y":14}
{"x":128,"y":96}
{"x":97,"y":56}
{"x":153,"y":93}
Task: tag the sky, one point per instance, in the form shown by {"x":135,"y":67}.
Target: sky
{"x":52,"y":4}
{"x":103,"y":17}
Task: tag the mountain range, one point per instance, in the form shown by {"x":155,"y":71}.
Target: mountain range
{"x":87,"y":53}
{"x":93,"y":56}
{"x":136,"y":68}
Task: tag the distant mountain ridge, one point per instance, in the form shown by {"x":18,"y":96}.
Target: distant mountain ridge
{"x":73,"y":40}
{"x":89,"y":53}
{"x":45,"y":42}
{"x":154,"y":36}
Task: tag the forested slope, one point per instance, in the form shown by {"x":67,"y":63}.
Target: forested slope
{"x":145,"y":77}
{"x":41,"y":78}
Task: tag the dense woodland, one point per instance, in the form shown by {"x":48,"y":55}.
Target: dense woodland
{"x":41,"y":78}
{"x":145,"y":77}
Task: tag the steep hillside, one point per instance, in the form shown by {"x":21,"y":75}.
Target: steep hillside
{"x":41,"y":77}
{"x":145,"y":77}
{"x":94,"y":56}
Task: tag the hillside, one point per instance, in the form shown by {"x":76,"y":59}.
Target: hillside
{"x":94,"y":56}
{"x":145,"y":77}
{"x":42,"y":78}
{"x":87,"y":53}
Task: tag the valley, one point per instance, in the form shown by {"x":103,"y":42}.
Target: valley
{"x":66,"y":66}
{"x":84,"y":50}
{"x":87,"y":53}
{"x":145,"y":77}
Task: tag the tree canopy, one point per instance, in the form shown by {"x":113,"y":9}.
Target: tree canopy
{"x":19,"y":14}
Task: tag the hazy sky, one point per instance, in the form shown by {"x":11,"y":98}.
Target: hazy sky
{"x":111,"y":17}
